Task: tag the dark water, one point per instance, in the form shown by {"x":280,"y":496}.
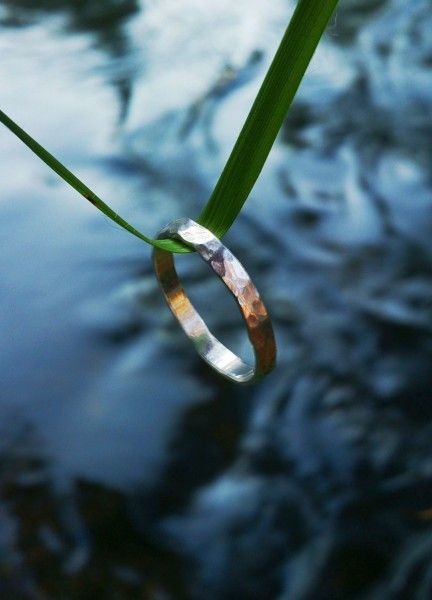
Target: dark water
{"x":127,"y":470}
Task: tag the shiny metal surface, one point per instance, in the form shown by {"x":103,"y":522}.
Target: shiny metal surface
{"x":238,"y":282}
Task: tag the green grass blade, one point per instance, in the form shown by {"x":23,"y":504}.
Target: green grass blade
{"x":255,"y":140}
{"x":267,"y":114}
{"x":80,"y":187}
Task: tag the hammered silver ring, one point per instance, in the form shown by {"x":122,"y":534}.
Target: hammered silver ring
{"x":238,"y":282}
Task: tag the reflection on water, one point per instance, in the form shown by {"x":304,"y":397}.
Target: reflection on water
{"x":106,"y":22}
{"x":127,"y":469}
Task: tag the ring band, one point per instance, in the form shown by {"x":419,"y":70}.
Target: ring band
{"x":229,"y":269}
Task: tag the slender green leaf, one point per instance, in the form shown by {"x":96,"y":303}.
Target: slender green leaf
{"x":267,"y":114}
{"x":80,"y":187}
{"x":255,"y":140}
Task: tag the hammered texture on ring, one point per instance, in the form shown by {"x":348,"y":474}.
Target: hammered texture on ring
{"x":238,"y":282}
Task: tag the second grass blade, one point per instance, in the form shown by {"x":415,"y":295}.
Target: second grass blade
{"x":267,"y":114}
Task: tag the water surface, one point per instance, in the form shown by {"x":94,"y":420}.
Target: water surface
{"x":127,"y":468}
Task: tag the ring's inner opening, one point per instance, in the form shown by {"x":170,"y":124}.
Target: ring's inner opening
{"x":215,"y":304}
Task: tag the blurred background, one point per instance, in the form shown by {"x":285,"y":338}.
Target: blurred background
{"x":127,"y":469}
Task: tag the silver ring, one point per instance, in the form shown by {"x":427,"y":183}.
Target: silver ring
{"x":238,"y":282}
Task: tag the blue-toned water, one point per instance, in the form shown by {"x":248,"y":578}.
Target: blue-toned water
{"x":127,"y":469}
